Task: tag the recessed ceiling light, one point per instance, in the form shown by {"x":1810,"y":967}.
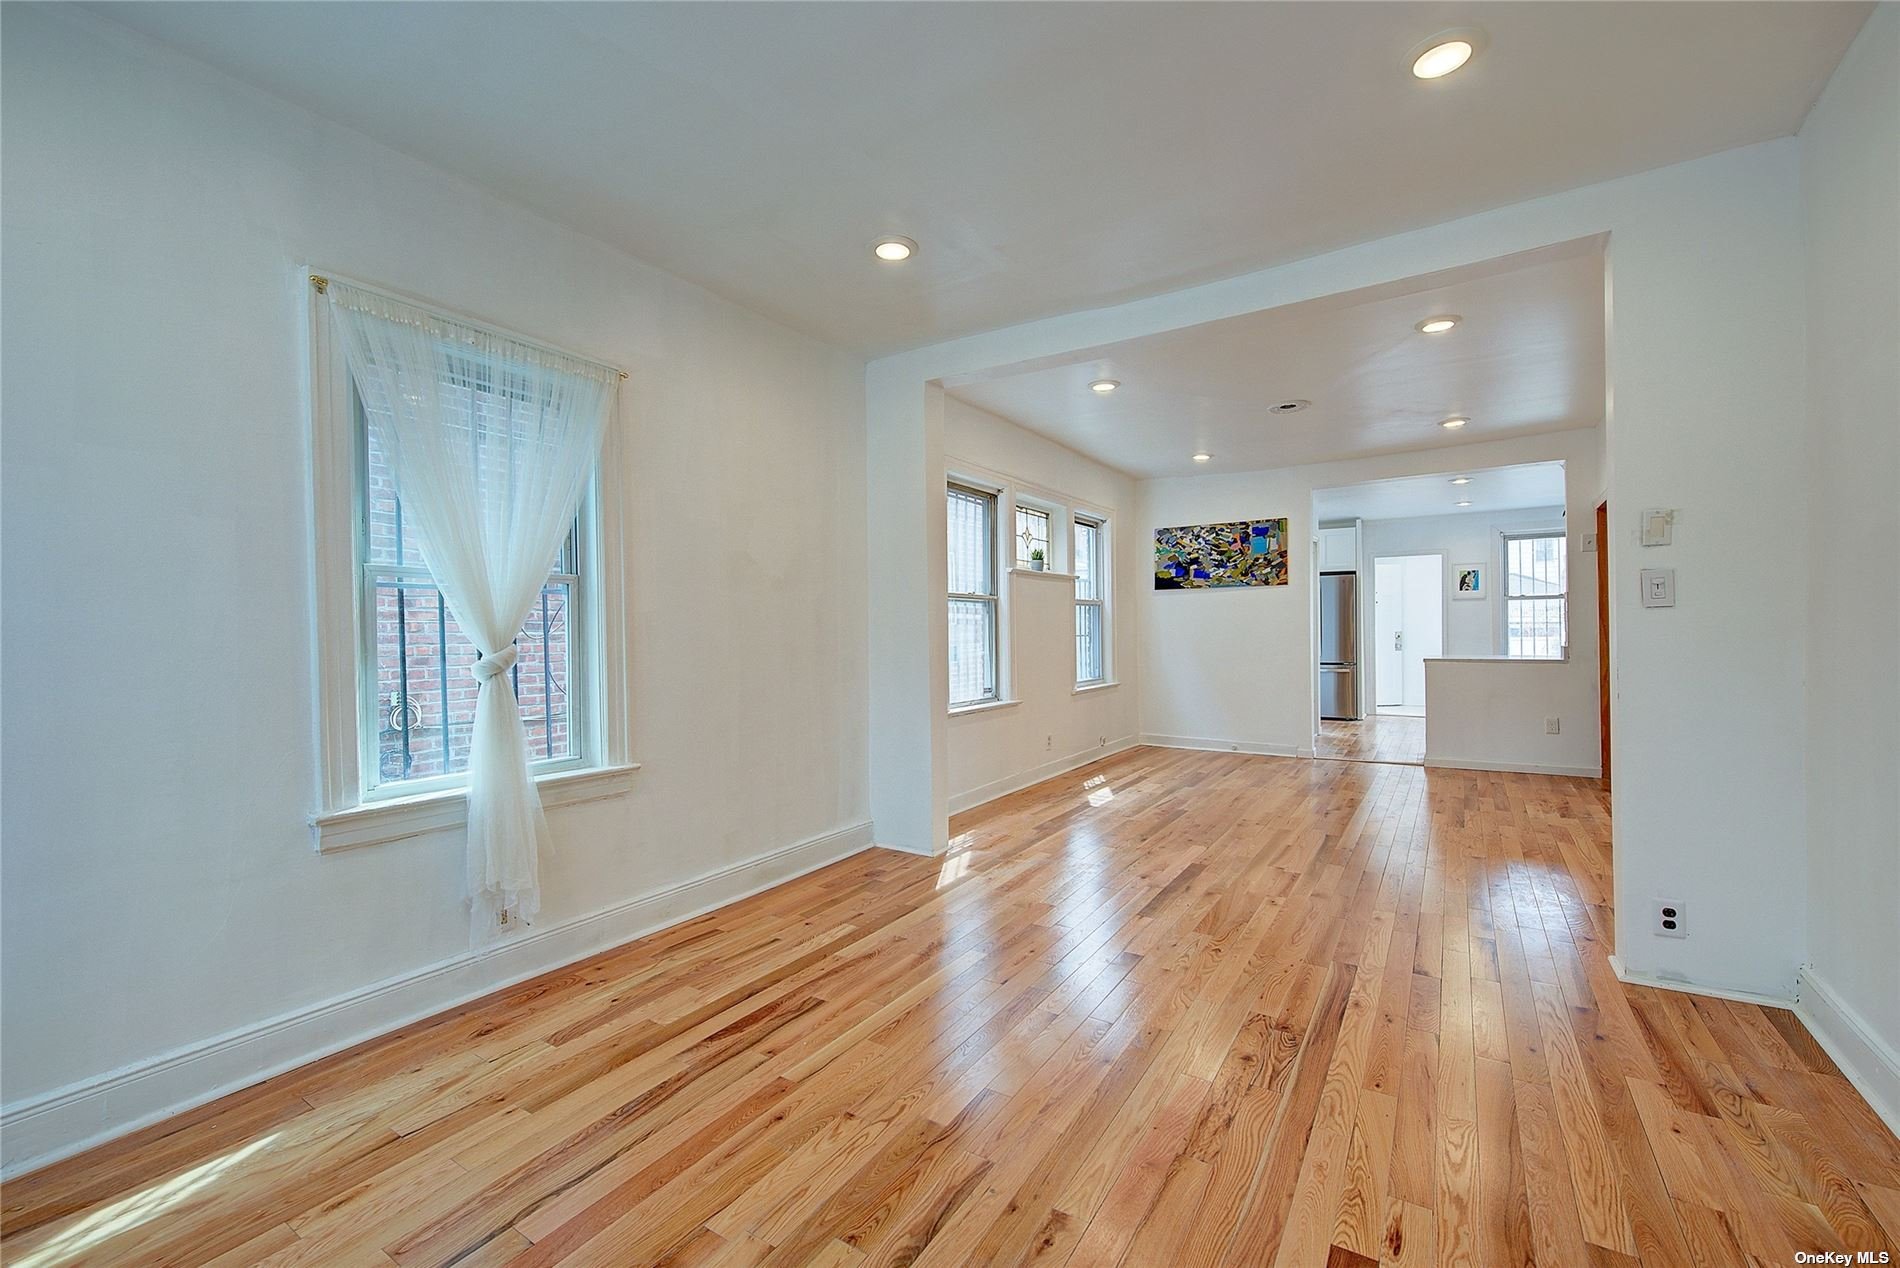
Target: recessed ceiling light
{"x":1102,"y":387}
{"x":1438,"y":325}
{"x":1462,"y":480}
{"x":1453,"y":424}
{"x":1444,"y":53}
{"x":1464,"y":504}
{"x":1203,"y":457}
{"x":1290,"y":407}
{"x":894,"y":250}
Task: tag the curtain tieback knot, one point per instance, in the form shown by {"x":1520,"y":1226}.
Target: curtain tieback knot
{"x":494,"y":664}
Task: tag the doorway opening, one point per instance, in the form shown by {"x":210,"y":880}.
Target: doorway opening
{"x":1408,"y":622}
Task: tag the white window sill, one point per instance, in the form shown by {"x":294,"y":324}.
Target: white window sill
{"x":1020,"y":571}
{"x":375,"y":822}
{"x":985,"y":706}
{"x":1087,"y":687}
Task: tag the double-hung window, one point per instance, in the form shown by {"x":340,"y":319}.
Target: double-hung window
{"x":1536,"y":607}
{"x":418,"y":708}
{"x":972,"y":559}
{"x":1091,"y":655}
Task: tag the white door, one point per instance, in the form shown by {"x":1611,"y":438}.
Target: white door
{"x":1408,"y":626}
{"x":1424,"y":623}
{"x":1388,"y":636}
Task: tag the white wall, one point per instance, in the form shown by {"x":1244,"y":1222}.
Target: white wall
{"x":1234,"y":668}
{"x":1049,"y":726}
{"x":1850,"y":174}
{"x":1710,"y":805}
{"x":1491,"y":714}
{"x":908,"y":646}
{"x":1473,"y":627}
{"x":160,"y":887}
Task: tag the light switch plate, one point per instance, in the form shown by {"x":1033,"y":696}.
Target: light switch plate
{"x":1658,"y":527}
{"x":1589,"y":543}
{"x":1659,"y":587}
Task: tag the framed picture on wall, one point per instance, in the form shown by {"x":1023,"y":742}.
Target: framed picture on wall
{"x":1469,"y":581}
{"x":1213,"y":556}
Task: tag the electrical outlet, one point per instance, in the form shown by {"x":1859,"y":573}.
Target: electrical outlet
{"x":1553,"y":726}
{"x":1672,"y":919}
{"x":1048,"y":743}
{"x":504,"y":919}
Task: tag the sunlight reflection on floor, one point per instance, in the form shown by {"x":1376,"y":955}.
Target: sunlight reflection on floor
{"x":954,"y":869}
{"x":135,"y":1209}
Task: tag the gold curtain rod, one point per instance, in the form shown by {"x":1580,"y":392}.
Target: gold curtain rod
{"x":322,"y":284}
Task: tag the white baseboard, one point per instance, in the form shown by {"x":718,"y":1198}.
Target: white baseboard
{"x":1688,"y":987}
{"x":1048,"y":770}
{"x":1869,"y":1062}
{"x":1522,"y":768}
{"x":904,"y":849}
{"x":1223,"y":746}
{"x":54,"y":1125}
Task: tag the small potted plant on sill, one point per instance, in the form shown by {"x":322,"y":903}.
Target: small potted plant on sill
{"x":1036,"y":560}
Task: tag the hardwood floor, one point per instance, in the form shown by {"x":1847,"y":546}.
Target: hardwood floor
{"x":1377,"y":737}
{"x":1174,"y":1009}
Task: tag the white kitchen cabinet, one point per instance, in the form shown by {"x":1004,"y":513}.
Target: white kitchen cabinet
{"x":1339,"y":549}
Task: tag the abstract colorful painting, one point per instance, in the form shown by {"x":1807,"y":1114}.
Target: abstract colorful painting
{"x":1206,"y":556}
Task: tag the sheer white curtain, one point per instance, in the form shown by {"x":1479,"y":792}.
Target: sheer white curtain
{"x":491,"y":442}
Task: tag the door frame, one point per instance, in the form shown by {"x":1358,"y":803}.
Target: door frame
{"x":1603,"y":634}
{"x":1369,"y":613}
{"x":1312,"y":633}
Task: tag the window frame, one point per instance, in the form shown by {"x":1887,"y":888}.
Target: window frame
{"x":1099,"y":572}
{"x":1562,"y":596}
{"x":992,"y":500}
{"x":1020,"y":507}
{"x":351,"y":811}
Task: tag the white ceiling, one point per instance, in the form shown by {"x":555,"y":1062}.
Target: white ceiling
{"x":1527,"y":358}
{"x":1048,"y":157}
{"x":1537,"y":484}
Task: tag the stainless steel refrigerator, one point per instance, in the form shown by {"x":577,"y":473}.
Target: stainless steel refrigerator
{"x":1339,"y":645}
